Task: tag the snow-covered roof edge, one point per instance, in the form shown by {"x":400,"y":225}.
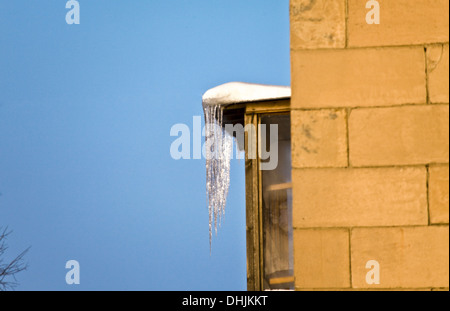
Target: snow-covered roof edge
{"x":239,"y":92}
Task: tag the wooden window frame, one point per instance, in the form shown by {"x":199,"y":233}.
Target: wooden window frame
{"x":253,"y":191}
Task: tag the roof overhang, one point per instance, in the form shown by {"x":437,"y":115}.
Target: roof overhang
{"x":239,"y":92}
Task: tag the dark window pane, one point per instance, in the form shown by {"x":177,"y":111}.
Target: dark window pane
{"x":277,"y":208}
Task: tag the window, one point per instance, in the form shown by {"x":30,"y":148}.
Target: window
{"x":268,"y":197}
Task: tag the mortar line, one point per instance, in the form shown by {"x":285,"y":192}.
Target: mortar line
{"x":346,"y":24}
{"x":367,"y":107}
{"x":422,"y":165}
{"x":370,"y":227}
{"x":350,"y":256}
{"x":428,"y":195}
{"x":347,"y":117}
{"x":426,"y":75}
{"x":417,"y":45}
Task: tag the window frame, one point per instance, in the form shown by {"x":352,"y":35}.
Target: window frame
{"x":253,"y":191}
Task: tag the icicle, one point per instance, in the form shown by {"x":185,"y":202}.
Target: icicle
{"x":219,"y":146}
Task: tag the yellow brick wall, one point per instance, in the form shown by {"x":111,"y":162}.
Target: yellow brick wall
{"x":370,"y":144}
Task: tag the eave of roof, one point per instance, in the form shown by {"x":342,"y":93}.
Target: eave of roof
{"x":239,"y":92}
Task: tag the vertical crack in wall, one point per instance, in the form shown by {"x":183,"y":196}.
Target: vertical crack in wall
{"x":346,"y":23}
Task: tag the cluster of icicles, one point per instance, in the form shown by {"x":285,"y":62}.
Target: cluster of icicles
{"x":218,"y":149}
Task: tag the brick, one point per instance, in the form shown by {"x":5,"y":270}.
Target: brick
{"x":317,"y":24}
{"x":439,"y":194}
{"x":358,"y":77}
{"x":409,"y":257}
{"x":402,"y":22}
{"x":359,"y":197}
{"x":321,"y":258}
{"x":438,"y":73}
{"x":319,"y":138}
{"x":406,"y":135}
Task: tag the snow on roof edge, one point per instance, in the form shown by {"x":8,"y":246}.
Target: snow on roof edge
{"x":240,"y":92}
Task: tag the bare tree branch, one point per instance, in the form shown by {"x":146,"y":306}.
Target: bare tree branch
{"x":9,"y":270}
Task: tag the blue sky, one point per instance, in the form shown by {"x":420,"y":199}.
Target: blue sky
{"x":85,"y":118}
